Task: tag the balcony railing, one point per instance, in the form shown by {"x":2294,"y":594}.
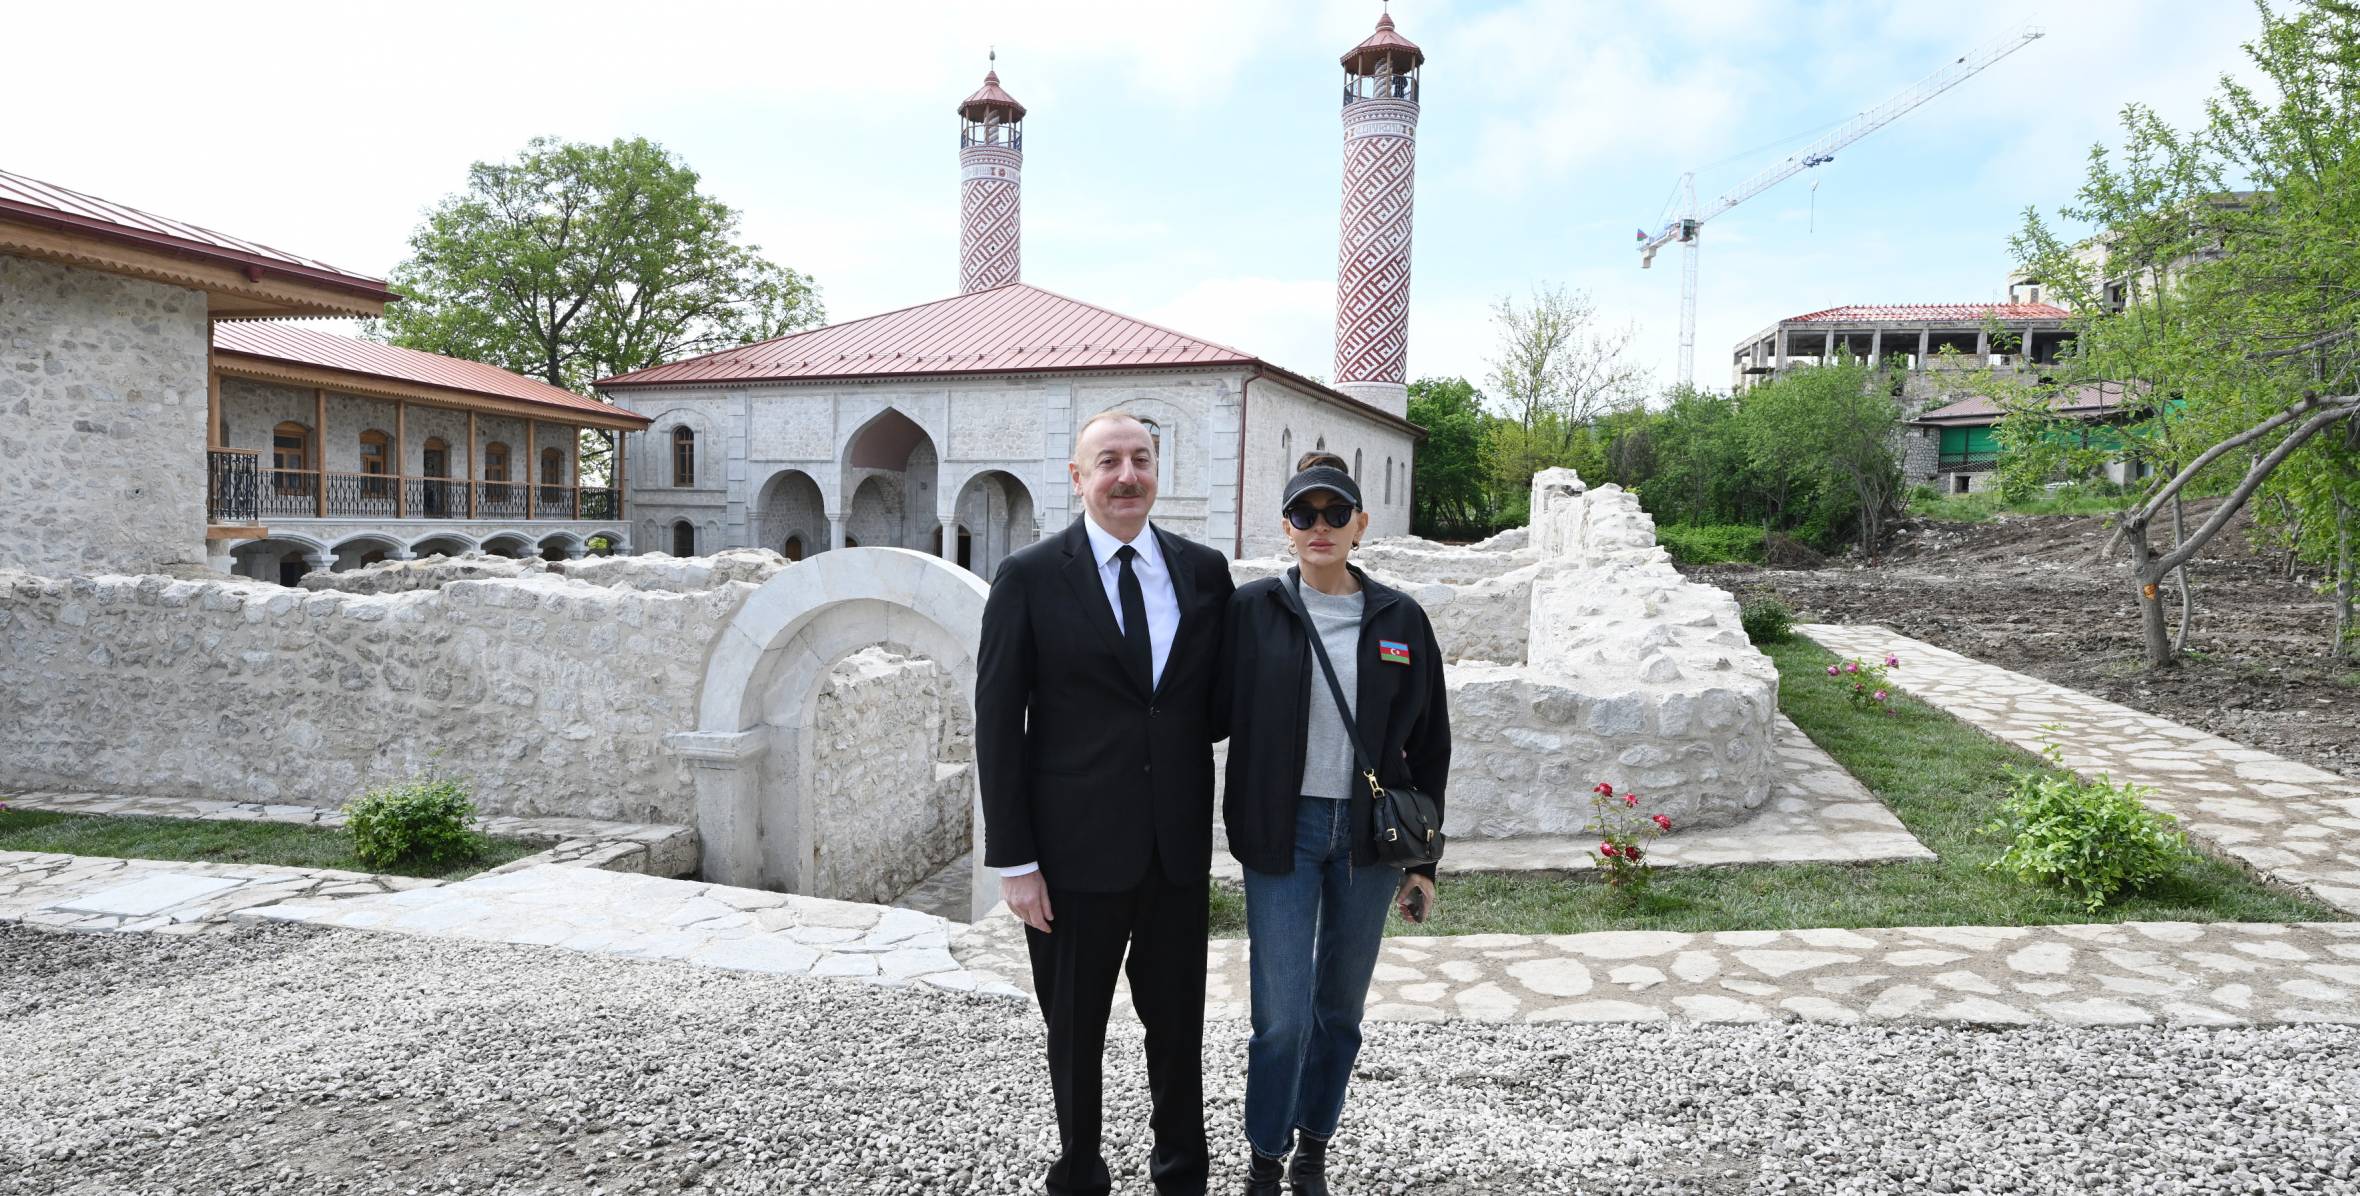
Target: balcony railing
{"x":242,"y":491}
{"x":233,"y":491}
{"x":1976,"y":460}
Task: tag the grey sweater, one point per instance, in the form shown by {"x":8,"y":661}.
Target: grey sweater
{"x":1328,"y":769}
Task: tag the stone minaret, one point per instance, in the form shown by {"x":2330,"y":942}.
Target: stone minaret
{"x":1380,"y":176}
{"x":991,"y":155}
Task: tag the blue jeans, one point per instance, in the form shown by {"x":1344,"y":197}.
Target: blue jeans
{"x":1314,"y":934}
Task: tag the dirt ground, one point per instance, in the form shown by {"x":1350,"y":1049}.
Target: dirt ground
{"x":2032,"y":593}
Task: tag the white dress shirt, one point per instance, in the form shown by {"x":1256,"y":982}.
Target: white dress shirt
{"x":1155,"y":586}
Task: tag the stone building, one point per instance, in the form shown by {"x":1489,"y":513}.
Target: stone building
{"x":156,"y":416}
{"x":332,"y":452}
{"x":946,"y":427}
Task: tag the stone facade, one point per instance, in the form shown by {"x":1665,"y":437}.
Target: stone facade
{"x":102,"y":421}
{"x":886,"y":464}
{"x":892,"y":770}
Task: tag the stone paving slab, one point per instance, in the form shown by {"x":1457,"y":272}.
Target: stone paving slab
{"x":99,"y":893}
{"x":2289,"y":821}
{"x":654,"y":848}
{"x":1816,"y":813}
{"x":2184,"y":973}
{"x":646,"y":917}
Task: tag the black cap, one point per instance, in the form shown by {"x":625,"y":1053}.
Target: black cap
{"x":1321,"y":477}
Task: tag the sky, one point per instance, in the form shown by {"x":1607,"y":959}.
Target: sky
{"x":1182,"y":161}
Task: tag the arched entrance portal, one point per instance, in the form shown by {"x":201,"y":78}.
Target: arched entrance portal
{"x":891,"y":471}
{"x":754,"y":743}
{"x":790,"y":518}
{"x":995,"y":513}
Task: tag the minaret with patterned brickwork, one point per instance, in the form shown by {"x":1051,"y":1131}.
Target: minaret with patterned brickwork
{"x":1380,"y":181}
{"x":991,"y":158}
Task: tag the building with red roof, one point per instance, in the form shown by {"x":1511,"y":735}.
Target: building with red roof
{"x":166,"y":416}
{"x":946,"y":426}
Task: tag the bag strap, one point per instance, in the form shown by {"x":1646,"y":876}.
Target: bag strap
{"x":1327,"y":668}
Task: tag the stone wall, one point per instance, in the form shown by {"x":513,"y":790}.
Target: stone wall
{"x":549,"y":696}
{"x":891,"y":774}
{"x":102,"y":421}
{"x":1282,"y":424}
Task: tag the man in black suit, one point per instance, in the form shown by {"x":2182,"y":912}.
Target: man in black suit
{"x":1092,"y":741}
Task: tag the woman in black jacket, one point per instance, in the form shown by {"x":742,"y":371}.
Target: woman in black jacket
{"x":1298,"y":814}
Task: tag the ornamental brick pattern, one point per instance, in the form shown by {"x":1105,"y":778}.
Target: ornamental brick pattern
{"x":990,"y":224}
{"x":1372,"y":264}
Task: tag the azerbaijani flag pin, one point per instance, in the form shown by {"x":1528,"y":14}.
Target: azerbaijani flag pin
{"x":1392,"y":652}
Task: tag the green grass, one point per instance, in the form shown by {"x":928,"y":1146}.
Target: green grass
{"x":283,"y":844}
{"x":1711,"y":543}
{"x":1976,"y":508}
{"x":1942,"y":778}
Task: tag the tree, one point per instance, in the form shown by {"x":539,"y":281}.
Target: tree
{"x":1828,"y":431}
{"x":1452,"y":493}
{"x":573,"y":262}
{"x":1555,"y":372}
{"x":2223,"y":294}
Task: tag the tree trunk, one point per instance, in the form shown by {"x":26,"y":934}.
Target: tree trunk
{"x":2187,"y":594}
{"x":2344,"y":643}
{"x":2147,"y":579}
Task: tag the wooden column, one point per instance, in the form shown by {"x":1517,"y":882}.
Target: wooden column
{"x":471,"y":475}
{"x":319,"y":447}
{"x":532,"y":468}
{"x":401,"y":459}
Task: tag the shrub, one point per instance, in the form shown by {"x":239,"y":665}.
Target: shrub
{"x":1867,"y":686}
{"x":426,"y":821}
{"x":1767,"y":620}
{"x":1622,"y":832}
{"x":1711,"y":543}
{"x":2095,"y":838}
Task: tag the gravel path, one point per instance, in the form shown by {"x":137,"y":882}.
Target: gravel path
{"x":292,"y":1059}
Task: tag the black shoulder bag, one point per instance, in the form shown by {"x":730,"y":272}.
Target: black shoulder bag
{"x":1407,"y":823}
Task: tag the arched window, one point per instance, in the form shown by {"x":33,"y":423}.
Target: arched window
{"x":1320,"y":446}
{"x":290,"y":458}
{"x":1388,"y":481}
{"x":684,"y":457}
{"x":1155,"y":441}
{"x":1356,"y":470}
{"x":373,"y":464}
{"x":1286,"y":450}
{"x":684,"y":538}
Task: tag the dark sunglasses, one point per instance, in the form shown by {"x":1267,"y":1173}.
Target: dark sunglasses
{"x":1337,"y":514}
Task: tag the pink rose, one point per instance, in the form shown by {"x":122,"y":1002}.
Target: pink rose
{"x":1608,"y":849}
{"x":1603,"y":789}
{"x":1832,"y":670}
{"x":1880,"y":695}
{"x":1892,"y":662}
{"x":1851,"y":666}
{"x":1631,"y":853}
{"x":1630,"y":799}
{"x":1662,"y":823}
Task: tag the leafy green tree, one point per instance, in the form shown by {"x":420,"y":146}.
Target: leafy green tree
{"x":1452,"y":492}
{"x":573,"y":261}
{"x":1827,"y":432}
{"x":2222,"y":291}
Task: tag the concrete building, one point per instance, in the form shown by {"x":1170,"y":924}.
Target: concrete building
{"x":155,"y":419}
{"x":1917,"y":337}
{"x":946,"y":427}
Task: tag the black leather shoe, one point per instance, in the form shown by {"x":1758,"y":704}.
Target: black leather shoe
{"x":1262,"y":1175}
{"x":1307,"y":1174}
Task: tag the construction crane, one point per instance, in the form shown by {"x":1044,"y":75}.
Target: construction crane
{"x":1684,"y":226}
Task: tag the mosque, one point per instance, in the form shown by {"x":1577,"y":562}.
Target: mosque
{"x":946,"y":427}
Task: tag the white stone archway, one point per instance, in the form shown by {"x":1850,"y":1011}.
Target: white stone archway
{"x":752,"y":746}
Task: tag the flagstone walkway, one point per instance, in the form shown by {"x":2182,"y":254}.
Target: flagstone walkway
{"x":96,"y":893}
{"x":646,"y":917}
{"x":2291,"y":822}
{"x":655,"y":848}
{"x":2223,"y":973}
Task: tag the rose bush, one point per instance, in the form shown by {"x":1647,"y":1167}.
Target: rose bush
{"x":1621,"y":852}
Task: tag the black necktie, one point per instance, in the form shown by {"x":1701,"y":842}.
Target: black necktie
{"x":1138,"y":648}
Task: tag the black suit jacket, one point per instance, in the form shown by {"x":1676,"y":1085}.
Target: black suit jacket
{"x":1083,"y":770}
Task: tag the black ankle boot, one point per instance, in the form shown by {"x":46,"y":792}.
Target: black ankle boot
{"x":1262,"y":1174}
{"x":1307,"y":1174}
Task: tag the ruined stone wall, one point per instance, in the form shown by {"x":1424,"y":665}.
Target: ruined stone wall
{"x":102,"y":421}
{"x":892,"y":776}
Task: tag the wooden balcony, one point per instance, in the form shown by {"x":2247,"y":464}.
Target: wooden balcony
{"x":242,"y":492}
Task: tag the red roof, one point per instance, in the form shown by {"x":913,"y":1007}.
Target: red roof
{"x":2082,"y":402}
{"x":327,"y":350}
{"x":1017,"y":328}
{"x":1929,"y":313}
{"x":990,"y":96}
{"x":1383,"y":42}
{"x":33,"y":201}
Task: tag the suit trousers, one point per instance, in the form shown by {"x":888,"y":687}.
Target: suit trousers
{"x":1163,"y":925}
